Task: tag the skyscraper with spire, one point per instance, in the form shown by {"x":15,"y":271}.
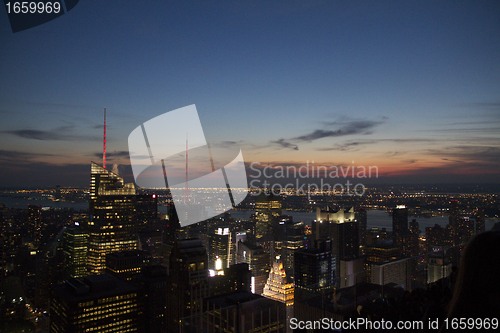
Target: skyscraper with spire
{"x":116,"y":213}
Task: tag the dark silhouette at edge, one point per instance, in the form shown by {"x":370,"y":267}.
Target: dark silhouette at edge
{"x":477,"y":290}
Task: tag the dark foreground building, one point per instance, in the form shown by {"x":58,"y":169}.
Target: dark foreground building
{"x":97,"y":303}
{"x":243,"y":312}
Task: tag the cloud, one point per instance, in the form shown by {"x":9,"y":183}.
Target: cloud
{"x":354,"y":145}
{"x":226,"y":144}
{"x":285,"y":144}
{"x":478,"y":155}
{"x":121,"y":153}
{"x":482,"y":130}
{"x":484,"y":105}
{"x":347,"y":146}
{"x":63,"y":133}
{"x":36,"y":134}
{"x":461,"y":163}
{"x":344,"y":128}
{"x":15,"y":155}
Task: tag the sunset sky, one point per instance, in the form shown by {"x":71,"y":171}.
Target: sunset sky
{"x":412,"y":87}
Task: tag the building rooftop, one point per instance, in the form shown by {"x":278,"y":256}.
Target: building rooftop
{"x":92,"y":287}
{"x":233,"y":298}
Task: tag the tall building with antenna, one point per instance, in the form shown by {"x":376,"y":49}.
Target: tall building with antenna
{"x":113,"y":208}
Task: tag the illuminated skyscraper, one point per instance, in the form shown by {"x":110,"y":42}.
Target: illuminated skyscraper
{"x":267,"y":208}
{"x":341,"y":227}
{"x":104,"y":182}
{"x":277,"y":286}
{"x":75,"y":241}
{"x":112,"y":225}
{"x":220,"y":248}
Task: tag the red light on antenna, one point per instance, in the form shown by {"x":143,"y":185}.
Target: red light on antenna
{"x":104,"y":143}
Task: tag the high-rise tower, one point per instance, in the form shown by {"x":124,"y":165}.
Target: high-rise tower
{"x":75,"y":240}
{"x":314,"y":270}
{"x":267,"y":209}
{"x":112,"y":226}
{"x":400,"y":229}
{"x":341,"y":227}
{"x":187,"y":284}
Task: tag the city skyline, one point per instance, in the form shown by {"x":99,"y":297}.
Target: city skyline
{"x":411,"y":88}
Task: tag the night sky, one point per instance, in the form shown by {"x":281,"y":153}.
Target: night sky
{"x":412,"y":87}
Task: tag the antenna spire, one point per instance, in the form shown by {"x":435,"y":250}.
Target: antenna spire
{"x":187,"y":186}
{"x":104,"y":143}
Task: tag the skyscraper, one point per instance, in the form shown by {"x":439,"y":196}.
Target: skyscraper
{"x":258,"y":261}
{"x":400,"y":228}
{"x":112,"y":224}
{"x":35,"y":222}
{"x":341,"y":227}
{"x":413,"y":238}
{"x":220,"y":247}
{"x":187,"y":284}
{"x":362,"y":219}
{"x":314,"y":270}
{"x":75,"y":241}
{"x":288,"y":238}
{"x":439,"y":263}
{"x":277,"y":286}
{"x":153,"y":282}
{"x":267,"y":208}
